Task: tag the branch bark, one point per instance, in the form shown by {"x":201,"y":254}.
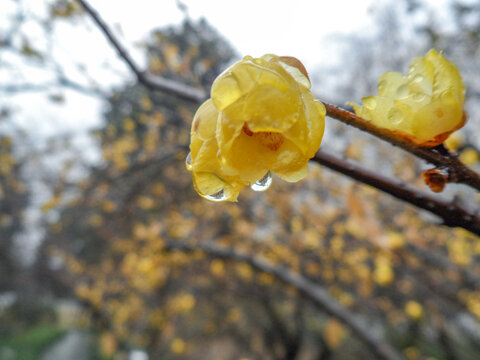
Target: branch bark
{"x":318,"y":295}
{"x":452,"y":213}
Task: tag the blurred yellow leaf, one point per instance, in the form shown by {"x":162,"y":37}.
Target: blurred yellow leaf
{"x":469,"y":156}
{"x":108,"y":344}
{"x":414,"y":309}
{"x":178,"y":346}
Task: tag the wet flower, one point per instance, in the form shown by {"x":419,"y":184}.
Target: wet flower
{"x":261,"y":118}
{"x":425,"y":106}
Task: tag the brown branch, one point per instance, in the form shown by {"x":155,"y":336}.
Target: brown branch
{"x":452,"y":213}
{"x":149,"y":80}
{"x":439,"y":155}
{"x":317,"y":294}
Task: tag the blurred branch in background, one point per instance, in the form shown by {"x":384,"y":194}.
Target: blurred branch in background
{"x":318,"y":295}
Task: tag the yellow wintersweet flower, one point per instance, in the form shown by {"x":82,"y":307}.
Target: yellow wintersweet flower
{"x":261,"y":118}
{"x":425,"y":106}
{"x":414,"y":309}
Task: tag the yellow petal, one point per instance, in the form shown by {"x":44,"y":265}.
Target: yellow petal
{"x":212,"y":187}
{"x":307,"y":131}
{"x":421,"y":73}
{"x":205,"y":121}
{"x":447,"y":77}
{"x":436,"y":118}
{"x":392,"y":85}
{"x":248,"y":158}
{"x":290,"y":164}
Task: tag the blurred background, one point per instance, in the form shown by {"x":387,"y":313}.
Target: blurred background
{"x":93,"y":189}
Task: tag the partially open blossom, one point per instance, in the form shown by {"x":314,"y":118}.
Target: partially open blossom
{"x":261,"y":118}
{"x":425,"y":106}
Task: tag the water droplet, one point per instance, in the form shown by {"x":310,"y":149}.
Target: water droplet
{"x":419,"y":97}
{"x":402,"y":91}
{"x":395,"y":116}
{"x":263,"y":184}
{"x":417,"y":78}
{"x":218,"y":196}
{"x":381,"y":86}
{"x":370,"y":103}
{"x":188,"y":161}
{"x":447,"y":97}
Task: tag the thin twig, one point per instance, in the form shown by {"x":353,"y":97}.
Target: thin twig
{"x":452,"y":213}
{"x":149,"y":80}
{"x":314,"y":292}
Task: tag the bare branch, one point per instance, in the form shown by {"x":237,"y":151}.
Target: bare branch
{"x":149,"y":80}
{"x":311,"y":290}
{"x":452,"y":213}
{"x":64,"y":82}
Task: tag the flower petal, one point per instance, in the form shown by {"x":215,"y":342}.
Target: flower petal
{"x":290,"y":164}
{"x":205,"y":121}
{"x":392,"y":85}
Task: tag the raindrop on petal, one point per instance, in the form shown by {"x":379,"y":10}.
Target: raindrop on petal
{"x":218,"y":196}
{"x":418,"y":78}
{"x":395,"y":116}
{"x":419,"y":97}
{"x":188,"y":161}
{"x":381,"y":86}
{"x":370,"y":103}
{"x":263,"y":184}
{"x":402,"y":91}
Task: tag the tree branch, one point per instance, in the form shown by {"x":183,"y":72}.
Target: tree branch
{"x":64,"y":82}
{"x":149,"y":80}
{"x":318,"y":295}
{"x":452,"y":213}
{"x":438,"y":156}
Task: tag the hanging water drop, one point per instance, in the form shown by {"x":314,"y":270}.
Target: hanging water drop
{"x":188,"y":161}
{"x":218,"y":196}
{"x":263,"y":184}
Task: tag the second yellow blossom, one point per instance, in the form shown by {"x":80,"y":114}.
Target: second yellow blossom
{"x":425,"y":106}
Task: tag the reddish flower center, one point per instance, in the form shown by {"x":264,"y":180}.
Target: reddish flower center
{"x":272,"y":140}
